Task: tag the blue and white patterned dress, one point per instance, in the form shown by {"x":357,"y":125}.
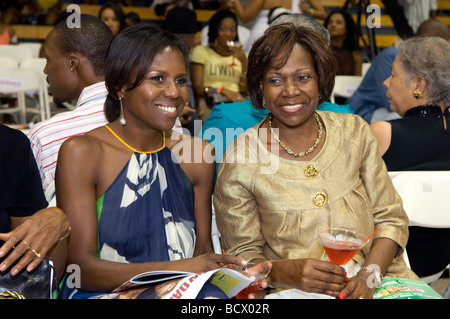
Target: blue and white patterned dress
{"x":147,"y":214}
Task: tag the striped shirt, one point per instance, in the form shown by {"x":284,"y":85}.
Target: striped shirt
{"x":47,"y":136}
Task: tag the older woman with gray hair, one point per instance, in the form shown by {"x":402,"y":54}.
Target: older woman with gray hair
{"x":419,"y":91}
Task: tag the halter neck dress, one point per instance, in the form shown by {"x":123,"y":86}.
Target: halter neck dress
{"x":147,"y":213}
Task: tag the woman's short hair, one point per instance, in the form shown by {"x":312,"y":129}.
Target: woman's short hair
{"x":427,"y":57}
{"x":214,"y":22}
{"x":129,"y":58}
{"x":92,"y":39}
{"x":273,"y":50}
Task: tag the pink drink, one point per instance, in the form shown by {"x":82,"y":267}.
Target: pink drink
{"x":340,"y":246}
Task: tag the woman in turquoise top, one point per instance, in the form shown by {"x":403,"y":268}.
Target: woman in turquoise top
{"x":137,"y":196}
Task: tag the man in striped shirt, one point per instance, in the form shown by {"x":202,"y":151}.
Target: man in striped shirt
{"x":75,"y":70}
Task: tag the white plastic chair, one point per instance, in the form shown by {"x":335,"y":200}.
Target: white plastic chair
{"x":19,"y":81}
{"x":345,"y":86}
{"x":8,"y":62}
{"x":34,"y":46}
{"x":425,"y":197}
{"x":17,"y":52}
{"x":38,"y":65}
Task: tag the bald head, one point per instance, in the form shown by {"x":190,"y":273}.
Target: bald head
{"x":434,"y":28}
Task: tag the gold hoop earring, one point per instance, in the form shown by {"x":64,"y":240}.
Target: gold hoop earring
{"x":122,"y":119}
{"x":417,"y":95}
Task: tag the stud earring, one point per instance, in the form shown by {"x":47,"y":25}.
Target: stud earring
{"x":122,"y":119}
{"x":417,"y":95}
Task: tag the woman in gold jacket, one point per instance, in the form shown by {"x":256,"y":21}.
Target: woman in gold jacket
{"x":302,"y":170}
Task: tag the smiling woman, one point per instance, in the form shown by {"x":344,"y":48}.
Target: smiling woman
{"x":134,"y":206}
{"x":329,"y":173}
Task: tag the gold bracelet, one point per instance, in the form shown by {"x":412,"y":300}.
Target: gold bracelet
{"x":66,"y":235}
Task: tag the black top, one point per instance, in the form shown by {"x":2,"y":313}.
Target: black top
{"x":21,"y":192}
{"x":419,"y":141}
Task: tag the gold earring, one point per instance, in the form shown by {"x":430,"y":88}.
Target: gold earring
{"x":417,"y":95}
{"x":122,"y":119}
{"x":264,"y":102}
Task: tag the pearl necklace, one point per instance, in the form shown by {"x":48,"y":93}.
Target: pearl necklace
{"x":288,"y":150}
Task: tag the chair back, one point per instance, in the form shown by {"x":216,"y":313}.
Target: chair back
{"x":18,"y":81}
{"x":424,"y":195}
{"x":8,"y":62}
{"x":345,"y":86}
{"x":38,"y":65}
{"x":17,"y":52}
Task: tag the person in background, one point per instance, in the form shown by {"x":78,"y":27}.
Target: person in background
{"x":112,"y":14}
{"x":257,"y":12}
{"x":282,"y":181}
{"x":369,"y":100}
{"x":216,"y":69}
{"x":132,"y":18}
{"x":134,"y":202}
{"x":75,"y":71}
{"x":7,"y":33}
{"x":419,"y":91}
{"x":342,"y":31}
{"x":29,"y":229}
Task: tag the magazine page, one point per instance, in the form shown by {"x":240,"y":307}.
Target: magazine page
{"x":401,"y":288}
{"x":179,"y":285}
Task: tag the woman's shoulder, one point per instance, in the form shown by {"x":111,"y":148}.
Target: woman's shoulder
{"x":200,"y":52}
{"x":88,"y":143}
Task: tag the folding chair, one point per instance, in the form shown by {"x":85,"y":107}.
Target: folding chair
{"x":38,"y":65}
{"x":17,"y":52}
{"x":345,"y":86}
{"x":18,"y":82}
{"x":8,"y":62}
{"x":425,"y":200}
{"x":34,"y":46}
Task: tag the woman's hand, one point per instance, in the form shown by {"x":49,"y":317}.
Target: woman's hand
{"x":32,"y":239}
{"x":240,"y":54}
{"x":260,"y":272}
{"x":358,"y":287}
{"x":310,"y":275}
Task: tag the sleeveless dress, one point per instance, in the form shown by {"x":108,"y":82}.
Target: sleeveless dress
{"x":147,"y":214}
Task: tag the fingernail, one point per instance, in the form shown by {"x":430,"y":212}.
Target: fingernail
{"x":342,"y":295}
{"x":345,"y":274}
{"x":346,"y":279}
{"x":3,"y":268}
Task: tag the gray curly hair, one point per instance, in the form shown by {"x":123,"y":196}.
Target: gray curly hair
{"x":428,"y":57}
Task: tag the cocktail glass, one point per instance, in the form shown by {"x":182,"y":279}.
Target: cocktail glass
{"x":341,"y":244}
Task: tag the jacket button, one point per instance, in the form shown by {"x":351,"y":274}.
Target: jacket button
{"x":311,"y":171}
{"x":320,"y":199}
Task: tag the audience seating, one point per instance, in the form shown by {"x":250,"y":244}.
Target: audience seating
{"x":17,"y":52}
{"x":16,"y":81}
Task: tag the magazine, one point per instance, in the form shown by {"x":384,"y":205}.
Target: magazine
{"x":179,"y":285}
{"x":400,"y":288}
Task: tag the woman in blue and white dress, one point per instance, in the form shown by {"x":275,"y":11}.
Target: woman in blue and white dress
{"x":136,"y":193}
